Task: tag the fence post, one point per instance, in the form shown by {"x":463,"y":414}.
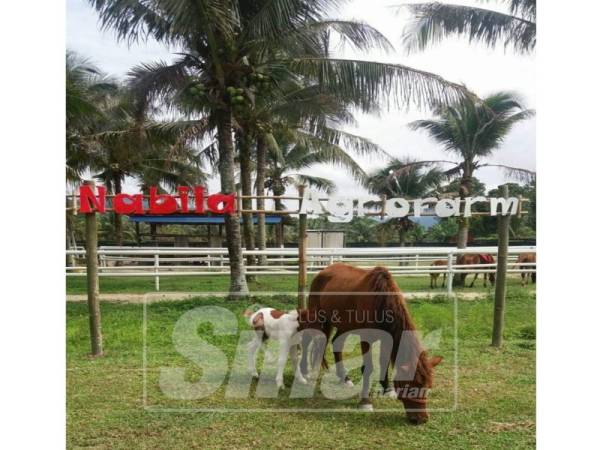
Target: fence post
{"x":93,"y":292}
{"x":302,"y":241}
{"x":450,"y":271}
{"x":501,"y":265}
{"x":156,"y":275}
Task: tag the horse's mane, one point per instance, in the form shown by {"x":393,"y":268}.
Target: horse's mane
{"x":389,"y":297}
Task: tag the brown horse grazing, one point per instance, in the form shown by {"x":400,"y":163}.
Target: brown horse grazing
{"x":525,"y":276}
{"x":370,"y":304}
{"x":433,"y":277}
{"x":473,"y":259}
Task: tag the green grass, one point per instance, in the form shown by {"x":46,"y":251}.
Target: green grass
{"x":496,"y":407}
{"x":270,"y":283}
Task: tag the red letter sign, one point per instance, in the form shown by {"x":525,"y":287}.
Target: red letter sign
{"x":87,"y":198}
{"x":183,"y":198}
{"x":199,"y":199}
{"x":161,"y":203}
{"x":214,"y":201}
{"x":133,"y":205}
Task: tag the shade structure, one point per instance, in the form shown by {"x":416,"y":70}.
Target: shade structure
{"x":188,"y":219}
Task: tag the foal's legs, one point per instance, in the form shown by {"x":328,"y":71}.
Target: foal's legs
{"x":444,"y":280}
{"x":294,"y":357}
{"x":253,"y":346}
{"x":367,"y":370}
{"x":339,"y":363}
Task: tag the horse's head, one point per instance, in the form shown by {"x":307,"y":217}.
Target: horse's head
{"x":413,"y":393}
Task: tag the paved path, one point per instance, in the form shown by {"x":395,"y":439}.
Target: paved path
{"x":175,"y":296}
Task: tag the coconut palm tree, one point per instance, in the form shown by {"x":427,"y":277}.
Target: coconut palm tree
{"x":413,"y":182}
{"x":297,"y":112}
{"x":290,"y":163}
{"x":435,"y":21}
{"x":127,"y":144}
{"x":473,"y":130}
{"x":88,"y":90}
{"x":220,"y":43}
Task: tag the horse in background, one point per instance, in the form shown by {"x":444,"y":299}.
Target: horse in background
{"x":369,"y":303}
{"x":433,"y":277}
{"x":475,"y":259}
{"x":526,"y":276}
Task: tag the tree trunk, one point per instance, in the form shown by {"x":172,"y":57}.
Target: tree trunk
{"x":261,"y":167}
{"x":118,"y":220}
{"x":153,"y":233}
{"x":246,"y":178}
{"x":463,"y":222}
{"x":237,"y":280}
{"x":381,"y":236}
{"x":402,"y":233}
{"x":462,"y":237}
{"x":279,"y":231}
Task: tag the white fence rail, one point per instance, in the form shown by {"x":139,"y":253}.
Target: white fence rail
{"x":159,"y":262}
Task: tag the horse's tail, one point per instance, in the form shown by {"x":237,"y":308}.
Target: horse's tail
{"x":320,"y":344}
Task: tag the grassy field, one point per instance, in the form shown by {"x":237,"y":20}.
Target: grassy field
{"x":267,"y":283}
{"x":105,"y":409}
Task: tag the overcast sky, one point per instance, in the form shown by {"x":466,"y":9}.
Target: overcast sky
{"x":481,"y":69}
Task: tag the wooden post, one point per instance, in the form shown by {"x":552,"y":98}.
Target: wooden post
{"x":156,"y":275}
{"x":69,"y":231}
{"x":302,"y":241}
{"x":91,"y":257}
{"x":450,"y":270}
{"x":501,"y":265}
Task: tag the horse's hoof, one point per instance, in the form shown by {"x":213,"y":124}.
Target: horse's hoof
{"x":368,"y":407}
{"x":302,"y":380}
{"x":348,"y":383}
{"x":254,"y":374}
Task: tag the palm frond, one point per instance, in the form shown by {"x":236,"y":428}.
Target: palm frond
{"x":358,"y":35}
{"x":310,"y":150}
{"x":433,"y":22}
{"x":171,"y":21}
{"x":352,"y":142}
{"x":157,"y":81}
{"x":369,"y":84}
{"x":323,"y":184}
{"x":523,"y":175}
{"x":277,"y":18}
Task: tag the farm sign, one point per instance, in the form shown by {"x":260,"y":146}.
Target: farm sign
{"x":157,"y":203}
{"x":337,"y":209}
{"x":343,"y":209}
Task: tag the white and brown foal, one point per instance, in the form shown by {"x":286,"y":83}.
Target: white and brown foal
{"x":269,"y":323}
